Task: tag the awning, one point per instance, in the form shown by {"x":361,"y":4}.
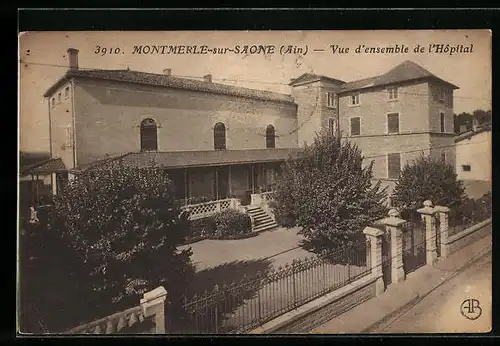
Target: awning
{"x":49,"y":166}
{"x":183,"y":159}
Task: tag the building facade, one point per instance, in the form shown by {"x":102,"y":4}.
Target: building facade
{"x":218,"y":141}
{"x":473,"y":150}
{"x":392,"y":118}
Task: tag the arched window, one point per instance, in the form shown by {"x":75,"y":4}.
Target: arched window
{"x":270,"y":137}
{"x":149,"y":139}
{"x":219,"y":136}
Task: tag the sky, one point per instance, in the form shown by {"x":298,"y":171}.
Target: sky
{"x":43,"y":60}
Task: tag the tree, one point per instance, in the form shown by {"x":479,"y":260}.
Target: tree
{"x":328,"y":192}
{"x":427,"y":178}
{"x":123,"y":224}
{"x":482,"y":117}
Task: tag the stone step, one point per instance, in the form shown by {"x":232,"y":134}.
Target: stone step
{"x":265,"y":226}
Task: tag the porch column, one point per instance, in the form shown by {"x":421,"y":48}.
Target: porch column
{"x":229,"y":181}
{"x":443,"y":213}
{"x":186,"y":186}
{"x":253,"y":178}
{"x":393,"y":224}
{"x":427,"y":213}
{"x":216,"y":183}
{"x":374,"y":238}
{"x":53,"y":183}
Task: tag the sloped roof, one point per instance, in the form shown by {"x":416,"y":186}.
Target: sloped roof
{"x":44,"y":167}
{"x":470,"y":134}
{"x":167,"y":81}
{"x":406,"y":71}
{"x":310,"y":77}
{"x":29,"y":158}
{"x":183,"y":159}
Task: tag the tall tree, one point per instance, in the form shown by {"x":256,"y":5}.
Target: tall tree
{"x":124,"y":226}
{"x":328,"y":192}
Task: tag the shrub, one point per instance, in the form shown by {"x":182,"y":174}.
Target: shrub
{"x":231,"y":223}
{"x":202,"y":227}
{"x":328,"y":192}
{"x":427,"y":178}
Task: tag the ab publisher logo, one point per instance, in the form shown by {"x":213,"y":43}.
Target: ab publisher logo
{"x":470,"y":309}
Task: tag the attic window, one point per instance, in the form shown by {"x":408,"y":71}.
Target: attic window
{"x":393,"y":93}
{"x":355,"y":99}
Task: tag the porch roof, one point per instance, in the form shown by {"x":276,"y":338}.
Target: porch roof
{"x":52,"y":165}
{"x":184,"y":159}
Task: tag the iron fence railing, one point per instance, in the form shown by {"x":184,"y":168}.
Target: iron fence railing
{"x":241,"y":306}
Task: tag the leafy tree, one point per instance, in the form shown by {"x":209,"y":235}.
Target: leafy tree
{"x":428,"y":178}
{"x":328,"y":192}
{"x":124,"y":226}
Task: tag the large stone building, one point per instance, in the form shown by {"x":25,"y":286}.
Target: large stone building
{"x":224,"y":142}
{"x":392,"y":117}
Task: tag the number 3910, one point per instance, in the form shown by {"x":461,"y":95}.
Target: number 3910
{"x":106,"y":50}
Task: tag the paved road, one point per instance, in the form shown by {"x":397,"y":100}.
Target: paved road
{"x":440,"y":311}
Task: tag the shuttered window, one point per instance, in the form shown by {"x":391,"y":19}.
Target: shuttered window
{"x":355,"y":126}
{"x":219,"y":136}
{"x":149,"y":137}
{"x":270,"y":137}
{"x":393,"y":123}
{"x":393,"y":165}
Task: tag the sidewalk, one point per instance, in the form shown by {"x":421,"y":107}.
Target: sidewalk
{"x":398,"y":297}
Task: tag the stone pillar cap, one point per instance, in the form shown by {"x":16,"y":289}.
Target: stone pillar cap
{"x":372,"y":231}
{"x":441,"y":208}
{"x":154,"y":294}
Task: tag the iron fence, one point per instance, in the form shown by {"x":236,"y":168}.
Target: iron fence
{"x":241,"y":306}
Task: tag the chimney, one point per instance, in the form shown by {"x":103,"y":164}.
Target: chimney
{"x":73,"y":58}
{"x":167,"y":72}
{"x":208,"y":78}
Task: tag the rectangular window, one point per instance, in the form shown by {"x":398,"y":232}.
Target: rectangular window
{"x":53,"y":100}
{"x":393,"y":123}
{"x":443,"y":155}
{"x":393,"y":93}
{"x":441,"y":122}
{"x":441,"y":95}
{"x":355,"y":99}
{"x":66,"y":92}
{"x":69,"y":137}
{"x":393,"y":165}
{"x":59,"y":97}
{"x":466,"y":168}
{"x":355,"y":126}
{"x":331,"y":100}
{"x":331,"y":127}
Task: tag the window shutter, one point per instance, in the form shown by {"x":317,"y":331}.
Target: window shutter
{"x":355,"y":126}
{"x":394,"y":165}
{"x":393,"y":123}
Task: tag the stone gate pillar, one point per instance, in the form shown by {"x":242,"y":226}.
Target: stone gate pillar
{"x":153,"y":305}
{"x":374,"y":237}
{"x":443,"y":214}
{"x":427,"y":213}
{"x":393,"y":224}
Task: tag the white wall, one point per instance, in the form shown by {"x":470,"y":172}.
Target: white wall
{"x":476,"y":152}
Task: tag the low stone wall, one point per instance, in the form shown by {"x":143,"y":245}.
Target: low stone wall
{"x":467,"y":236}
{"x":310,"y":315}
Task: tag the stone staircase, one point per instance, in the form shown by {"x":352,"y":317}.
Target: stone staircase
{"x":262,"y":221}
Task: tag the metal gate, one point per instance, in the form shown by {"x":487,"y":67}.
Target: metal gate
{"x":386,"y":258}
{"x":414,"y":246}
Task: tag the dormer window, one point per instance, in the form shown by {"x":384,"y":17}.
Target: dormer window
{"x":392,"y":93}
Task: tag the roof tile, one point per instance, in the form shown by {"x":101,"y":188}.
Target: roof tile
{"x":172,"y":82}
